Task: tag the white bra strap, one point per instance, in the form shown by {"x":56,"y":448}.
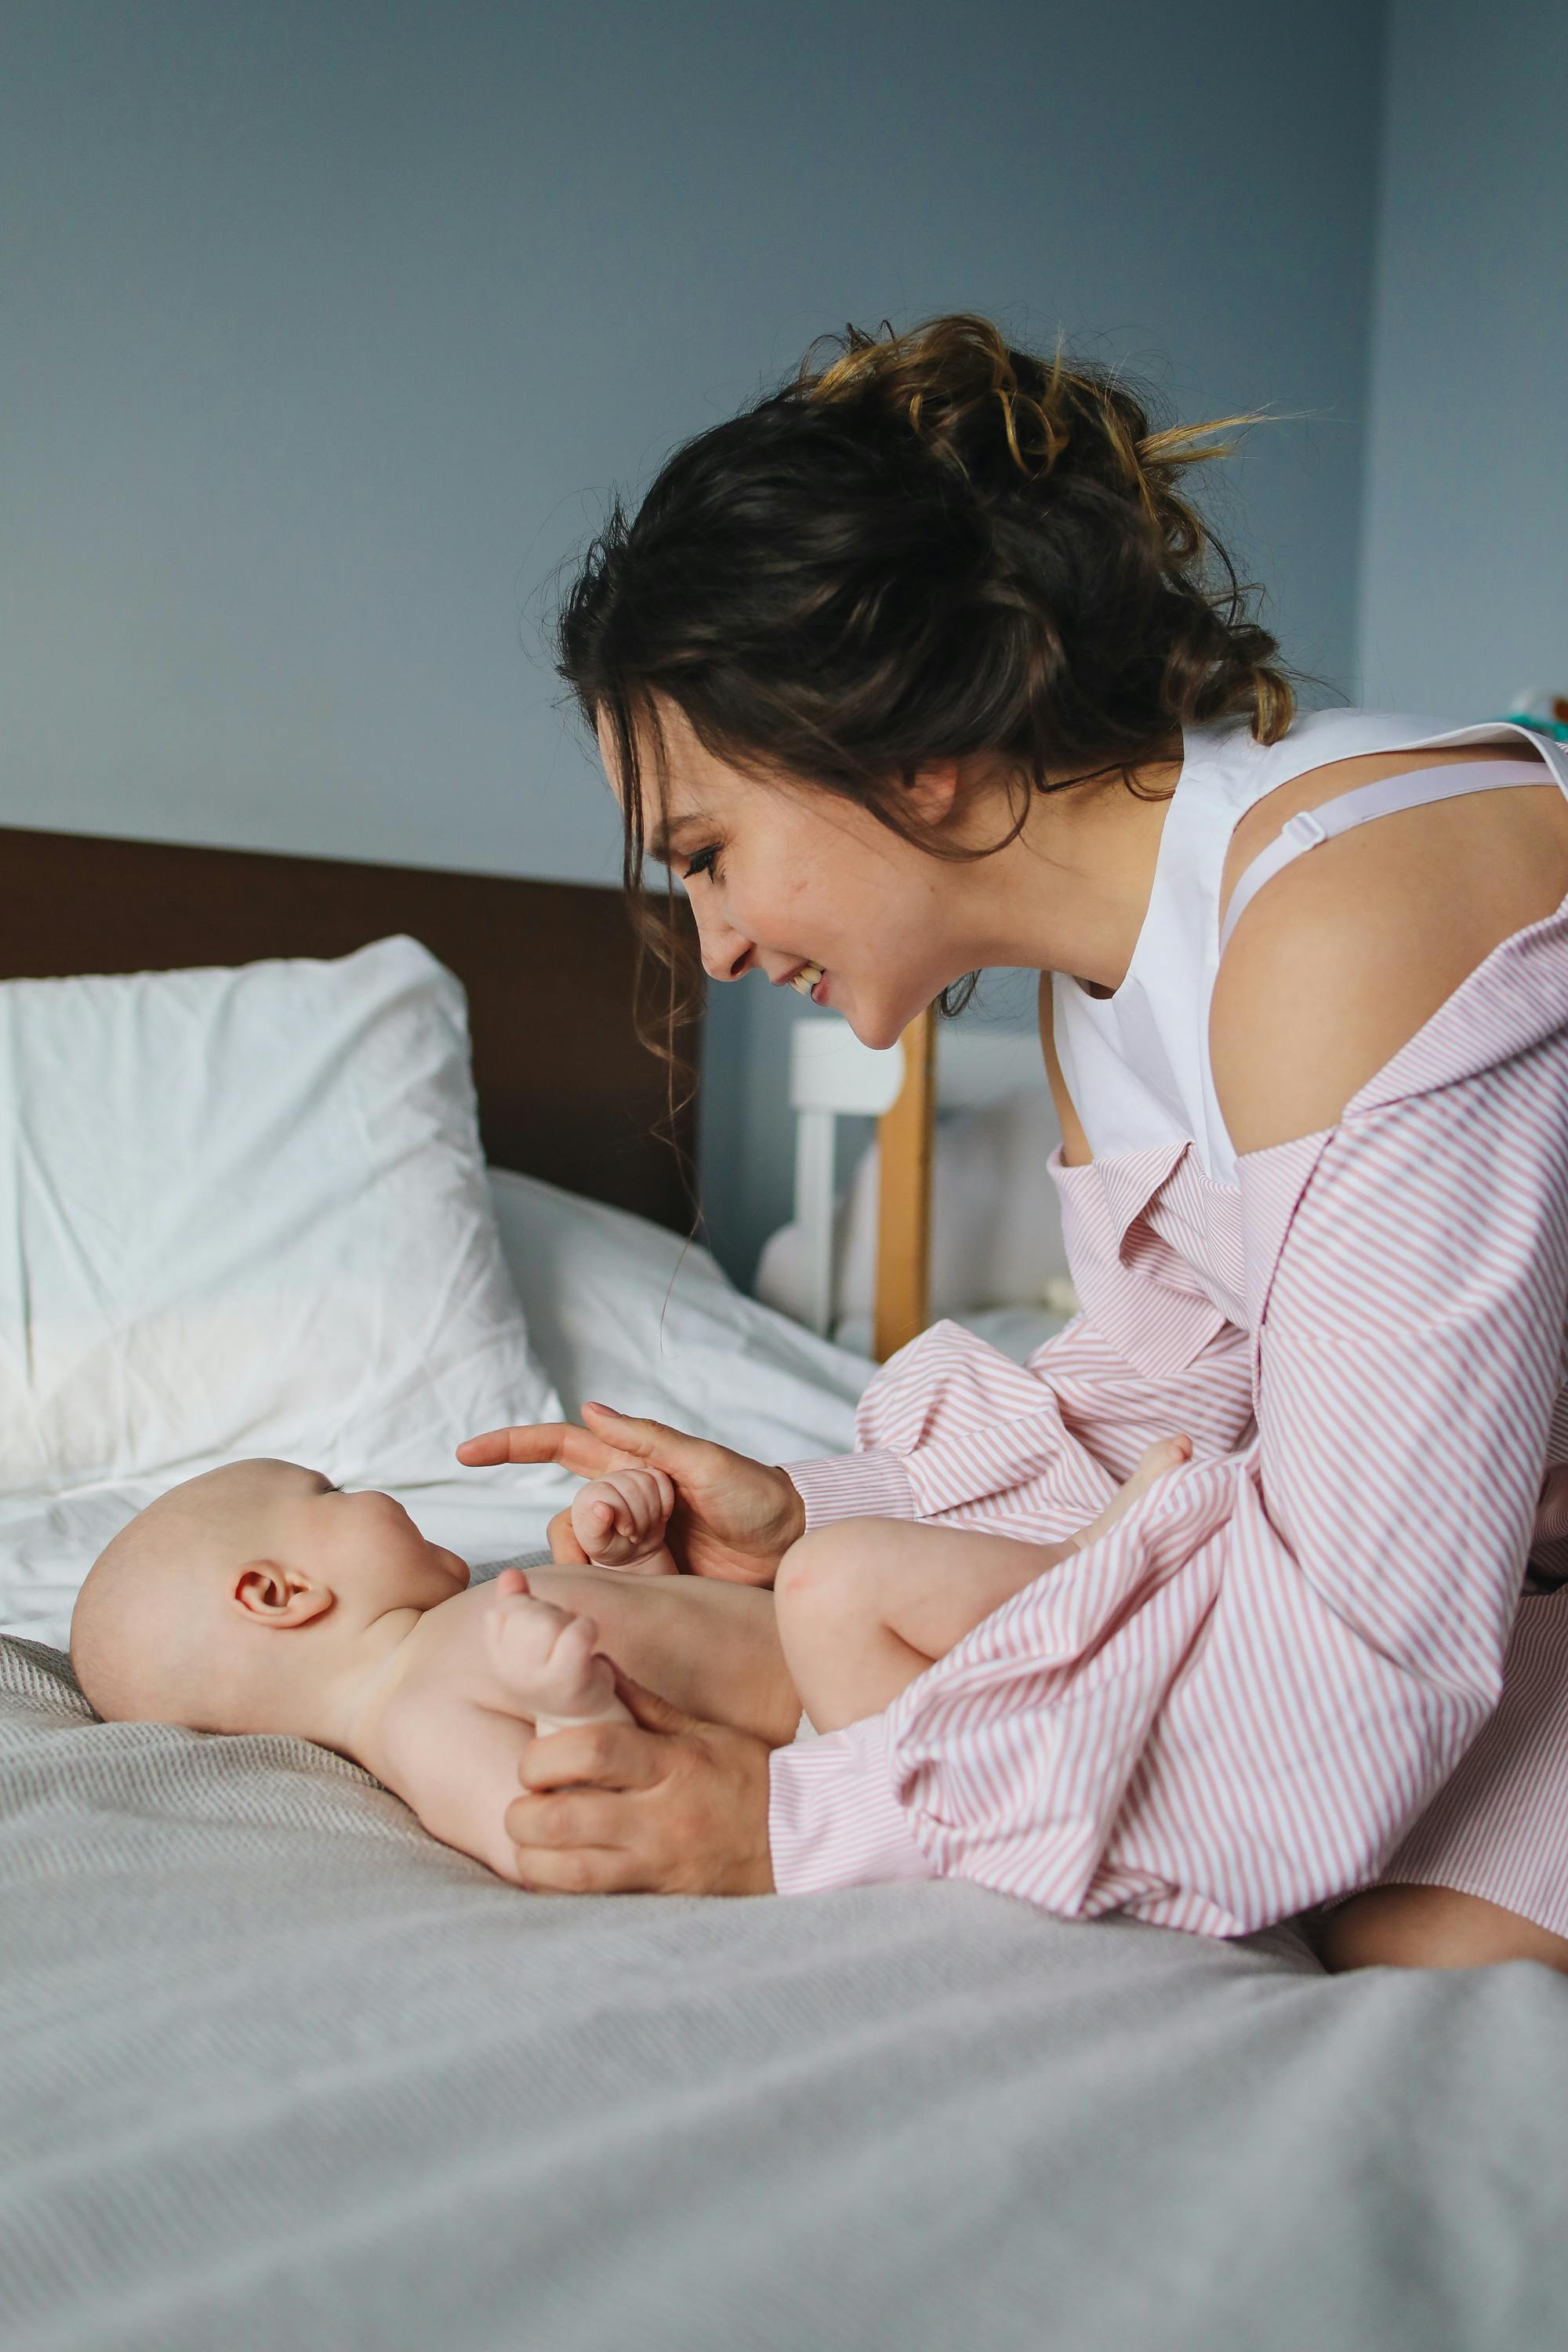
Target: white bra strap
{"x":1384,"y":797}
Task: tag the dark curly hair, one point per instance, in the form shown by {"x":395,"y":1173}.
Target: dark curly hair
{"x":930,"y":544}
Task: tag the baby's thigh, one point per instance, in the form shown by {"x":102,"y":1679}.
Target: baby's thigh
{"x":710,"y":1648}
{"x":931,"y":1584}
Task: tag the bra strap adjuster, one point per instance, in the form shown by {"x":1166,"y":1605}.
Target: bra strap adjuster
{"x":1305,"y":830}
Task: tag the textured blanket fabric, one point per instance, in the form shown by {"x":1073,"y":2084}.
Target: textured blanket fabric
{"x":279,"y":2072}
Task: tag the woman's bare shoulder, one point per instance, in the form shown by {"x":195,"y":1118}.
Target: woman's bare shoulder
{"x":1350,"y":950}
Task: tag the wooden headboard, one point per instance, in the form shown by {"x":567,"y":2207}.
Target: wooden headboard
{"x":566,"y":1091}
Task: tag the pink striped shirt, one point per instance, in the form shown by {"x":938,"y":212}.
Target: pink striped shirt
{"x":1239,"y":1702}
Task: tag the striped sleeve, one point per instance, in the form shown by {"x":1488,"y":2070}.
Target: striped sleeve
{"x":1232,"y":1705}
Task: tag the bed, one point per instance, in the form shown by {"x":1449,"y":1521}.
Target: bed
{"x":281,"y":2070}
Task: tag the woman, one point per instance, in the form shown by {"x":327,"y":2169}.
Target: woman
{"x":920,"y":665}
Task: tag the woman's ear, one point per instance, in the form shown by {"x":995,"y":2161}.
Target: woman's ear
{"x":932,"y":791}
{"x":271,"y":1595}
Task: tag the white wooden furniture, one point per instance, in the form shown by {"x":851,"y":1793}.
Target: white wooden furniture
{"x":834,"y":1075}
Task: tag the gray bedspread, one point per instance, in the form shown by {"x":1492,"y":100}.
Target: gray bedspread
{"x":281,"y":2072}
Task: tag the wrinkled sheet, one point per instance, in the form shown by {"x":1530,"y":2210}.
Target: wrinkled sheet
{"x":281,"y":2070}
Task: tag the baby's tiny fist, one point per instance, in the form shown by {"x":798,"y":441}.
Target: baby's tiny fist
{"x":620,"y":1520}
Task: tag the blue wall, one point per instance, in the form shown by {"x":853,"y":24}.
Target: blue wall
{"x":325,"y":327}
{"x":1466,"y":583}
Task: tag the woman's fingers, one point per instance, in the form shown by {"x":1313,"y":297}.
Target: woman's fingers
{"x":608,"y":1755}
{"x":582,"y":1870}
{"x":648,"y":1708}
{"x":551,"y":1440}
{"x":575,"y":1817}
{"x":615,"y":1441}
{"x":729,"y":1517}
{"x":562,"y":1537}
{"x":688,"y":1459}
{"x":676,"y":1805}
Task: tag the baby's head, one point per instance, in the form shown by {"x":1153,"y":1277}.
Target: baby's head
{"x":235,"y":1599}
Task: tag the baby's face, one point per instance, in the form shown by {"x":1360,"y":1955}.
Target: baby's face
{"x":360,"y":1544}
{"x":187,"y":1608}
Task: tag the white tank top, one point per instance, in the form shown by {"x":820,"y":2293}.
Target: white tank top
{"x":1136,"y":1064}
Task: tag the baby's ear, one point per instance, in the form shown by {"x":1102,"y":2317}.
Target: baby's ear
{"x":271,"y":1595}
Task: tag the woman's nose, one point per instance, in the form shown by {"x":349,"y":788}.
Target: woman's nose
{"x":727,"y":954}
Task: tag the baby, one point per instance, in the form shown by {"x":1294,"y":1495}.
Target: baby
{"x":261,"y":1598}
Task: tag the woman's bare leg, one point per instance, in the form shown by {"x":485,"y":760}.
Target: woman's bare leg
{"x":1429,"y":1927}
{"x":710,"y":1648}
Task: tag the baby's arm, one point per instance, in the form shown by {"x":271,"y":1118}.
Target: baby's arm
{"x":455,"y":1733}
{"x":547,"y":1659}
{"x":620,"y":1520}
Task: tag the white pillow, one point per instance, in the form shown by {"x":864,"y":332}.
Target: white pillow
{"x":245,"y":1212}
{"x":625,"y":1311}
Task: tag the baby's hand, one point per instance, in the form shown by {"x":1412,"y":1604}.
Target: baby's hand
{"x":620,"y":1521}
{"x":548,"y":1658}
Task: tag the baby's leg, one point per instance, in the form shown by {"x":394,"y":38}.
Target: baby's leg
{"x":865,"y":1605}
{"x":710,"y":1648}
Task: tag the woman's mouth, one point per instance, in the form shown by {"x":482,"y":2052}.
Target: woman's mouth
{"x":808,"y":980}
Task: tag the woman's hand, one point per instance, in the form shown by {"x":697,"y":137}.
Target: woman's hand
{"x":662,"y":1805}
{"x":733,"y":1518}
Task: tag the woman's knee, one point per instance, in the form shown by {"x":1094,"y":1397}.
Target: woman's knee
{"x":1430,"y":1927}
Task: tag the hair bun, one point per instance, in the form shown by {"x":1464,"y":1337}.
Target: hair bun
{"x":973,"y":405}
{"x":1005,"y":419}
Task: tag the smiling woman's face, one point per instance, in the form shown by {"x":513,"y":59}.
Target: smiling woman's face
{"x":782,"y":876}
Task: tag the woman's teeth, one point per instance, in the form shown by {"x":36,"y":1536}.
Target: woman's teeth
{"x":806,"y":978}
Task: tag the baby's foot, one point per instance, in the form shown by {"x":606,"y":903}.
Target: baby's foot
{"x":1167,"y":1454}
{"x":620,"y":1521}
{"x":547,"y":1659}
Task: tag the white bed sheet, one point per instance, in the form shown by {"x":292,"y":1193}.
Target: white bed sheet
{"x":617,"y":1308}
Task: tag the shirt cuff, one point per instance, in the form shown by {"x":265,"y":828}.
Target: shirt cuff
{"x":874,"y":1486}
{"x":833,"y":1819}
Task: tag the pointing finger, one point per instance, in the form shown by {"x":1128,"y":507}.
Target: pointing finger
{"x":551,"y":1440}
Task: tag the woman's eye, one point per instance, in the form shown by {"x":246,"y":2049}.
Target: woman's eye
{"x":706,"y":861}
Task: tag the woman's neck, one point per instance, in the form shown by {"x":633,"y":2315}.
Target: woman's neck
{"x":1071,"y":892}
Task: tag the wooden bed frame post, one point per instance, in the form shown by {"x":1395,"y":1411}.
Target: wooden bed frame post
{"x":906,"y":1135}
